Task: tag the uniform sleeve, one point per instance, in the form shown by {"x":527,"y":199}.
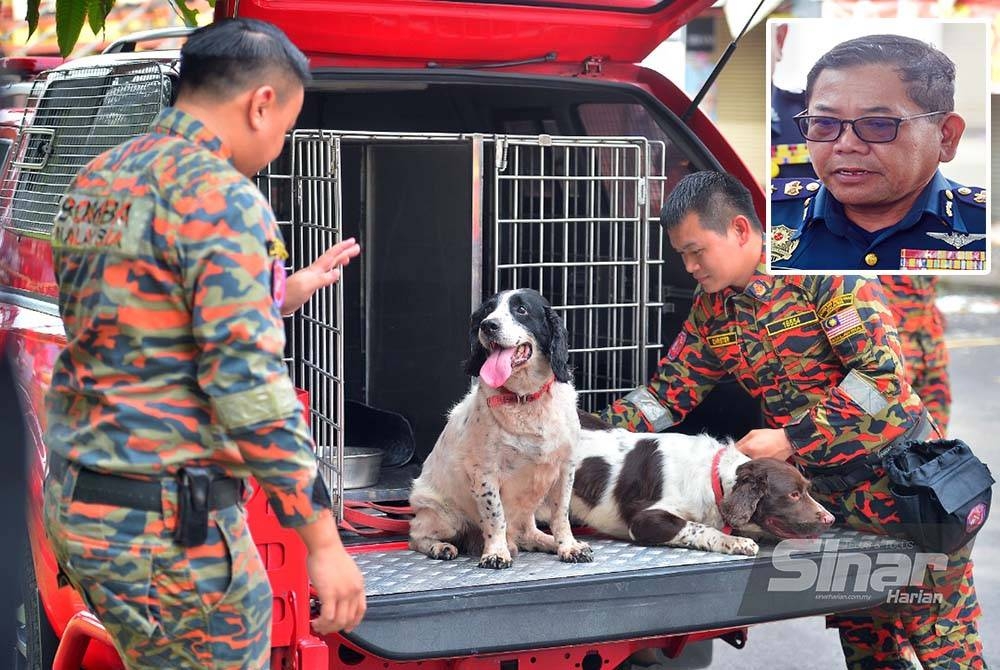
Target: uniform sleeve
{"x":872,"y":405}
{"x":683,"y":378}
{"x":222,"y":247}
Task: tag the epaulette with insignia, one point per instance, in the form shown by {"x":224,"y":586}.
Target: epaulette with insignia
{"x":971,"y":195}
{"x":792,"y":189}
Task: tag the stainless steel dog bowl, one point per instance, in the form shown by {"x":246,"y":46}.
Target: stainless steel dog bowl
{"x":361,"y":466}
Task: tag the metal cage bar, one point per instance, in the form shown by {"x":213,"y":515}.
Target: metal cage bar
{"x":570,"y":217}
{"x":570,"y":220}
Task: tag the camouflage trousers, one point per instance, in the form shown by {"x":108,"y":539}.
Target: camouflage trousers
{"x":926,"y":360}
{"x":164,"y":605}
{"x":942,"y":633}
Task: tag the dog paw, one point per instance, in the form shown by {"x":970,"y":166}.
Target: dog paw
{"x":443,"y":551}
{"x":580,"y":552}
{"x":495,"y":562}
{"x":743,"y":546}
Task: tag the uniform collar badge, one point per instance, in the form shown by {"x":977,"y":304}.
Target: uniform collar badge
{"x":783,"y":242}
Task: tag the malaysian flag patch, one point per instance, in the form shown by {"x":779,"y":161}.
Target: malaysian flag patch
{"x":842,"y":325}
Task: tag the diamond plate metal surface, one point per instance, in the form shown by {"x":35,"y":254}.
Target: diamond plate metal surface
{"x":398,"y":572}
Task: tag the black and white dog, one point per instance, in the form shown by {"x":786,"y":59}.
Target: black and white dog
{"x":684,"y":491}
{"x":508,"y":445}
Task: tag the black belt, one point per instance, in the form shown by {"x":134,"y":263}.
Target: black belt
{"x":865,"y":468}
{"x":105,"y":489}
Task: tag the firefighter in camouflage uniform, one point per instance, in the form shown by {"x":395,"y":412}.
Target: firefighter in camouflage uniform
{"x":921,"y":336}
{"x":822,"y":356}
{"x":171,"y":389}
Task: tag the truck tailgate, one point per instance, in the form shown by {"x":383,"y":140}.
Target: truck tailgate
{"x":420,"y":608}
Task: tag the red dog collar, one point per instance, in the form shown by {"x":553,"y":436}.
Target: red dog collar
{"x":508,"y":397}
{"x":717,"y":487}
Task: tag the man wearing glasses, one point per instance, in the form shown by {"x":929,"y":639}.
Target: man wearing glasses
{"x":879,"y":120}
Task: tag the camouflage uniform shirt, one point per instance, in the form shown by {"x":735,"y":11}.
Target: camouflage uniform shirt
{"x":168,"y":262}
{"x":819,"y":352}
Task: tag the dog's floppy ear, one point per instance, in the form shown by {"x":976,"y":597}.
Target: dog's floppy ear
{"x":740,"y":505}
{"x":558,"y":352}
{"x":477,"y":352}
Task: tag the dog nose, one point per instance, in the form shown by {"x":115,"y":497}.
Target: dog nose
{"x":490,"y":326}
{"x":826,"y":518}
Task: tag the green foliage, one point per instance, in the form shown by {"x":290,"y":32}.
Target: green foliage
{"x":32,"y":16}
{"x":72,"y":14}
{"x":189,"y":15}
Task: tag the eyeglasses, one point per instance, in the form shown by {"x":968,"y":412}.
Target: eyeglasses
{"x":872,"y":129}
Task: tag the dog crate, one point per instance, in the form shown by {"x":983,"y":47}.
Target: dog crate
{"x":446,"y":220}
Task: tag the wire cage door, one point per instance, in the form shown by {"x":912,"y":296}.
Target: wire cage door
{"x":304,"y":189}
{"x":571,"y":219}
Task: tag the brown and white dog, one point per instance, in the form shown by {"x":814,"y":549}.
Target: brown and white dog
{"x":508,"y":445}
{"x":658,"y":489}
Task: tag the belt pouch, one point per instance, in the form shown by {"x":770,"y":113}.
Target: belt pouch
{"x":193,"y":486}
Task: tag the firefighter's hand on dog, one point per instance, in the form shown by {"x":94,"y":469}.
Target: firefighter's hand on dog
{"x":340,"y":588}
{"x":766,"y":443}
{"x":322,"y":272}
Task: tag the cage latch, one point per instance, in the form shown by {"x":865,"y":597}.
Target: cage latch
{"x":593,"y":66}
{"x":501,"y":154}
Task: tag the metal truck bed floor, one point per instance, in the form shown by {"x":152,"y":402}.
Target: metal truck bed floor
{"x":422,"y":608}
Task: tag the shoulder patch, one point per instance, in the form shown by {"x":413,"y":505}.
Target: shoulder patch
{"x":842,"y":325}
{"x":676,"y":347}
{"x":834,"y":305}
{"x":793,"y":189}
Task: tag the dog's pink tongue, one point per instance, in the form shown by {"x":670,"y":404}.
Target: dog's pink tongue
{"x":497,"y":368}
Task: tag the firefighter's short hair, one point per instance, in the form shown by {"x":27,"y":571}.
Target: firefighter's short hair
{"x":229,"y":56}
{"x":716,"y":197}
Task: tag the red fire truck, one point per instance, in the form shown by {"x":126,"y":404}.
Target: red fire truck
{"x":470,"y":146}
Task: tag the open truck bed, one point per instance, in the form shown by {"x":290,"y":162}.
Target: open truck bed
{"x":420,"y":608}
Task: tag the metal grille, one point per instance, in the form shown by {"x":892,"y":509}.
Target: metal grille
{"x":73,"y":116}
{"x":302,"y":186}
{"x":571,"y":219}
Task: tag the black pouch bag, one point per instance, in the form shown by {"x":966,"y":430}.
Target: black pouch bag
{"x":193,"y":488}
{"x":942,"y":492}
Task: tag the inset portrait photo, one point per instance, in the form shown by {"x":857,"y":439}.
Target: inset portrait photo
{"x":879,"y":147}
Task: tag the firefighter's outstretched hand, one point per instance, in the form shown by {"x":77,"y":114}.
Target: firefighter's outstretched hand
{"x":340,"y":588}
{"x":321,"y":273}
{"x":766,"y":443}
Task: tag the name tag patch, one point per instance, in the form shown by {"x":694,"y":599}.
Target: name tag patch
{"x":720,"y":340}
{"x":792,"y":322}
{"x":941,"y":259}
